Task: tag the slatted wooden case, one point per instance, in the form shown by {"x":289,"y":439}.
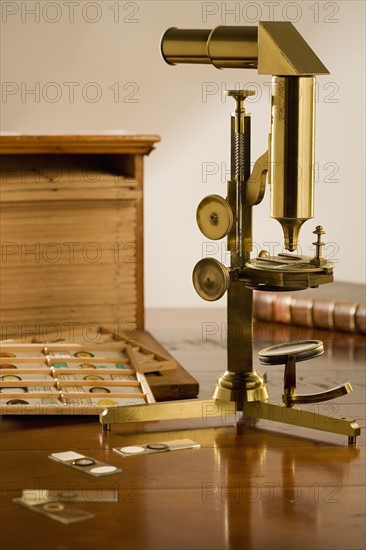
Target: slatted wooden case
{"x":72,"y":231}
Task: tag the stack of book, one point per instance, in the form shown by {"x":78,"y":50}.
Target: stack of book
{"x":337,"y":306}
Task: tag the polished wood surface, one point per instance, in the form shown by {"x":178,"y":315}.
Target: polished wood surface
{"x":269,"y":486}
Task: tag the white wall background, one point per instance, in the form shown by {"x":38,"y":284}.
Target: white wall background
{"x":115,"y":45}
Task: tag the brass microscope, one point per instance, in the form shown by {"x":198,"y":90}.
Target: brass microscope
{"x":276,"y":49}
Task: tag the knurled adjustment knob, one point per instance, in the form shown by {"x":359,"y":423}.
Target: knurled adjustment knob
{"x":214,"y":217}
{"x":239,"y":94}
{"x":211,"y":279}
{"x":318,"y":259}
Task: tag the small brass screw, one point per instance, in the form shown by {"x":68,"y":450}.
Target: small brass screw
{"x":239,"y":94}
{"x":214,"y":219}
{"x":318,"y":258}
{"x":239,"y":97}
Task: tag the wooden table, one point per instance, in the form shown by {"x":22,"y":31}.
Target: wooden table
{"x":271,"y":487}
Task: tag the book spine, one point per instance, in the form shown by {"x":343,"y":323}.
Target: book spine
{"x":308,"y":312}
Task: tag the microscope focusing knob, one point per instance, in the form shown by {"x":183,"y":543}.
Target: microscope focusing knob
{"x":214,"y":217}
{"x":211,"y":279}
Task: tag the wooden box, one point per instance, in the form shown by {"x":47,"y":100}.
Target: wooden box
{"x":72,"y":239}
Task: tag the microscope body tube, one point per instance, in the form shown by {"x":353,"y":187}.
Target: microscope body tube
{"x":273,"y":48}
{"x":223,"y":47}
{"x":292,"y":154}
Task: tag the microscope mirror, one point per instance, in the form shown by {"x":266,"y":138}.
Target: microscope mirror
{"x":300,"y":350}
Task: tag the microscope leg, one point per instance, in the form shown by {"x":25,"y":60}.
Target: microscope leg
{"x":298,"y":417}
{"x":170,"y":410}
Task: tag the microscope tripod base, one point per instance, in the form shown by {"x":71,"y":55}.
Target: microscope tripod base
{"x":206,"y":408}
